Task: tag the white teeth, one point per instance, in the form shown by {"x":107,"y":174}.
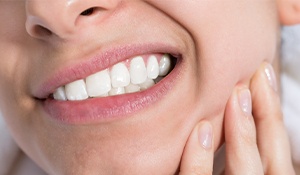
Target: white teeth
{"x":119,"y":75}
{"x":117,"y":91}
{"x":152,"y":67}
{"x":60,"y":94}
{"x":138,"y":71}
{"x":118,"y":79}
{"x":164,"y":65}
{"x":132,"y":88}
{"x":147,"y":84}
{"x":98,"y":84}
{"x":76,"y":90}
{"x":104,"y":95}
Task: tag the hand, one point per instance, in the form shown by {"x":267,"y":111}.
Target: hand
{"x":255,"y":144}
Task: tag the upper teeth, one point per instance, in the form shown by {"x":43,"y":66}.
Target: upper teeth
{"x":117,"y":79}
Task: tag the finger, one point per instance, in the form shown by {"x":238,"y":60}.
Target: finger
{"x":272,"y":138}
{"x":198,"y":155}
{"x":242,"y":155}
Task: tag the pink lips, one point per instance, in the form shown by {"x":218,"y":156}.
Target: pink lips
{"x":107,"y":108}
{"x":97,"y":63}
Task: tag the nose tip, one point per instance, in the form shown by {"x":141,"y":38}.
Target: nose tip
{"x":61,"y":18}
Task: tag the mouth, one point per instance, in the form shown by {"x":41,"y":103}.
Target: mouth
{"x":130,"y":76}
{"x":120,"y":89}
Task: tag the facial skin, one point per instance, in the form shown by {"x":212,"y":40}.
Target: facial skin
{"x":221,"y":43}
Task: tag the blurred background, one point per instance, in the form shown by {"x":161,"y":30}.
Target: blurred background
{"x":290,"y":83}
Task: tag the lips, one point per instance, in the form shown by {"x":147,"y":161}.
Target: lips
{"x":129,"y":76}
{"x":103,"y":107}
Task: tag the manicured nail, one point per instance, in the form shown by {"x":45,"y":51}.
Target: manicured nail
{"x":205,"y":135}
{"x":245,"y":101}
{"x":269,"y":71}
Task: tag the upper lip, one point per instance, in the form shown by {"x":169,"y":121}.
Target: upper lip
{"x":100,"y":60}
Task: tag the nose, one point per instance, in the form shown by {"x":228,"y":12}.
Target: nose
{"x":64,"y":18}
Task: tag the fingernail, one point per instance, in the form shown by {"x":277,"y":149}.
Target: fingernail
{"x":245,"y":101}
{"x":269,"y":71}
{"x":205,"y":135}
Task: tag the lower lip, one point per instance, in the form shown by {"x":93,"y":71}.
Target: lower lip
{"x":107,"y":109}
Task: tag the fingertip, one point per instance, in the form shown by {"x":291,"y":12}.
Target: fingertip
{"x":244,"y":97}
{"x":269,"y":121}
{"x":205,"y":135}
{"x":264,"y":88}
{"x":239,"y":122}
{"x":264,"y":79}
{"x":198,"y":153}
{"x":238,"y":108}
{"x":270,"y":76}
{"x":240,"y":134}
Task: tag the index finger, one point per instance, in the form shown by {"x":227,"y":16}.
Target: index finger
{"x":198,"y":154}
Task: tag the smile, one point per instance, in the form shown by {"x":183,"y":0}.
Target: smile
{"x":132,"y":75}
{"x":112,"y":85}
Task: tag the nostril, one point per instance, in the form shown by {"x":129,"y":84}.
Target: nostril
{"x":88,"y":12}
{"x":41,"y":31}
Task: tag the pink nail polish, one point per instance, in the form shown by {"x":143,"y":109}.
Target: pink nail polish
{"x":205,"y":135}
{"x":245,"y":102}
{"x":269,"y":71}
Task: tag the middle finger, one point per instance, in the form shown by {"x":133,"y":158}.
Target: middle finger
{"x":242,"y":155}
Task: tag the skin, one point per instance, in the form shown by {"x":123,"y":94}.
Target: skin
{"x":212,"y":34}
{"x":248,"y":135}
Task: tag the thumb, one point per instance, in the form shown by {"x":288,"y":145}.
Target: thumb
{"x":198,"y":154}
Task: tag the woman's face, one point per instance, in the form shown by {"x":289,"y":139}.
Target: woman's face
{"x":50,"y":44}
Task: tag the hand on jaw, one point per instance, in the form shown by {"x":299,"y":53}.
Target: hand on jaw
{"x":256,"y":139}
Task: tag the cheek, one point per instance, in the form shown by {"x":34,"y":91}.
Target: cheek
{"x":231,"y":48}
{"x":227,"y":58}
{"x":232,"y":38}
{"x":229,"y":51}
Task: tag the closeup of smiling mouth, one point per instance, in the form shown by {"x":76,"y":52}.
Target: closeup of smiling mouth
{"x":130,"y":79}
{"x":132,"y":75}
